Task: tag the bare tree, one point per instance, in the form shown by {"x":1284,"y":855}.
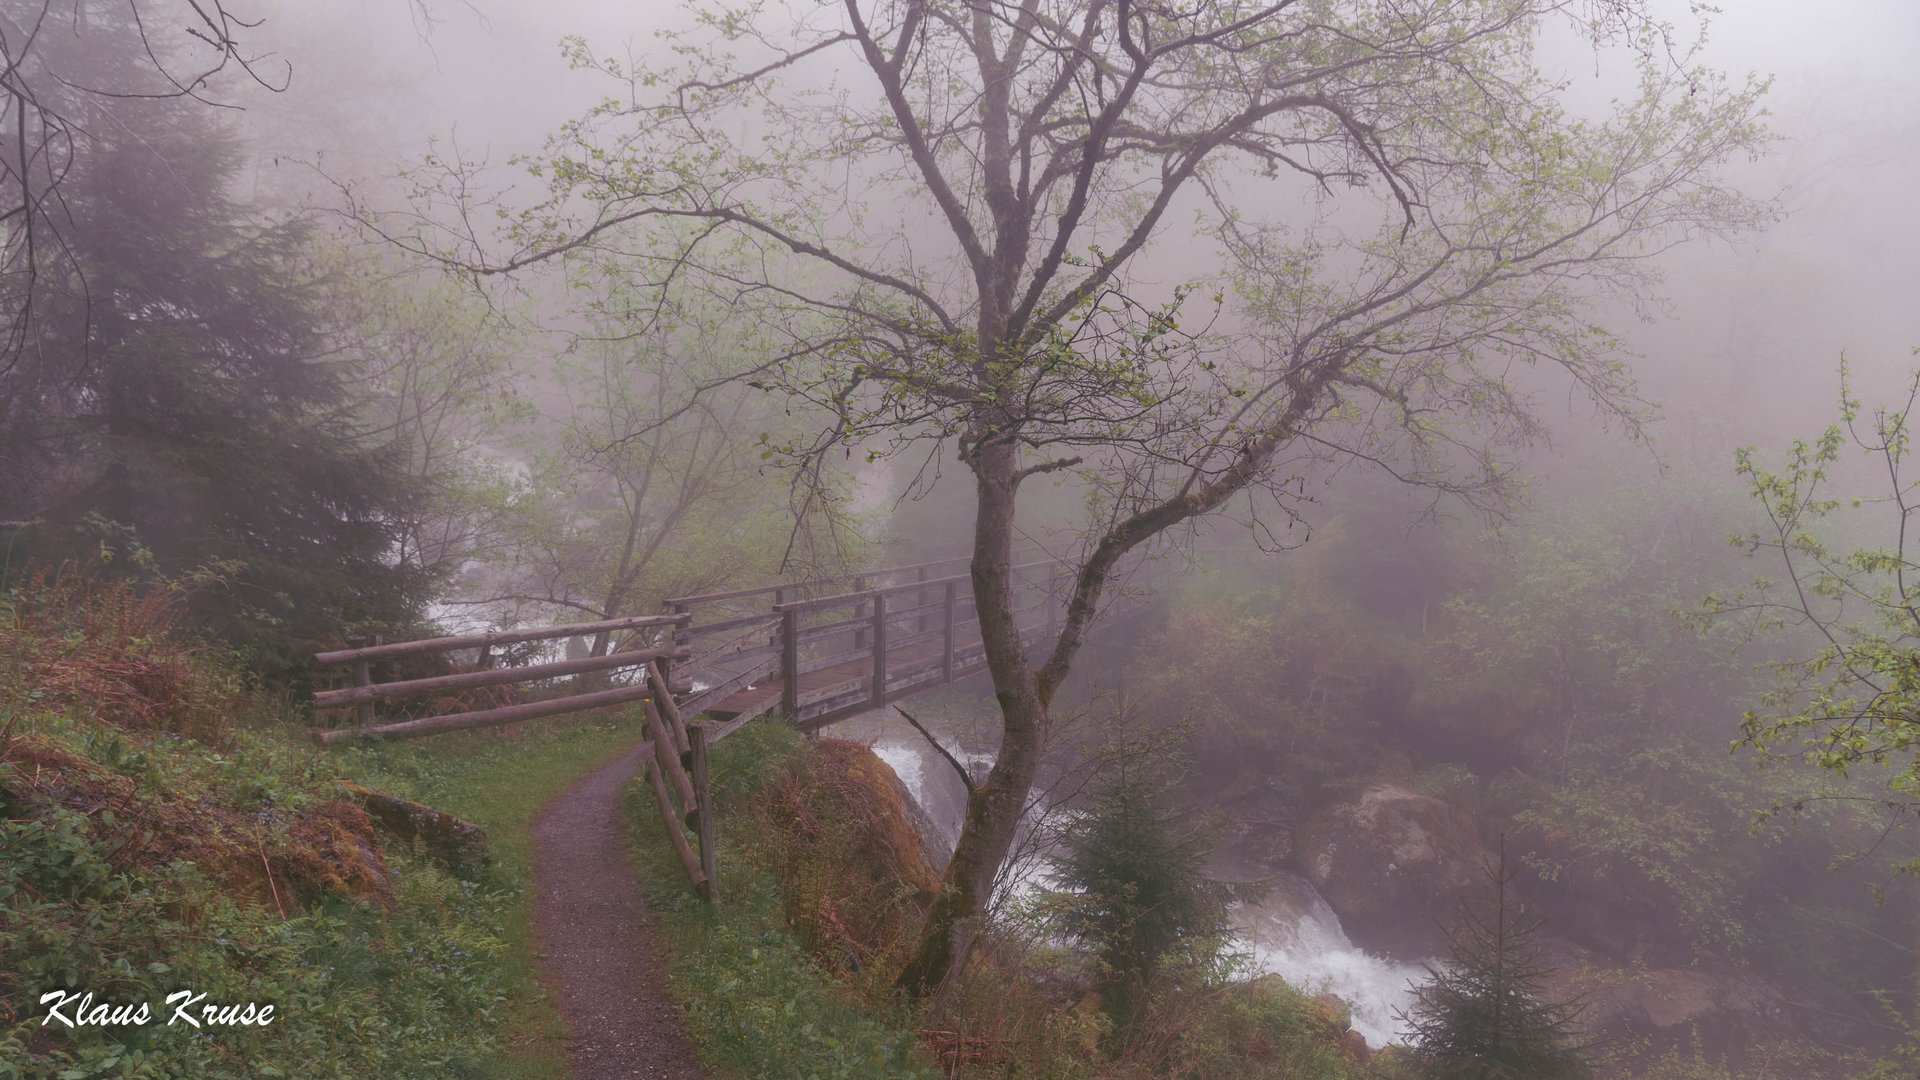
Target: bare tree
{"x":958,"y":212}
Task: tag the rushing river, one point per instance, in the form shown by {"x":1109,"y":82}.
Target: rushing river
{"x":1291,"y":930}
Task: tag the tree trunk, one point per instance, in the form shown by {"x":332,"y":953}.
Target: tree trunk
{"x":995,"y":807}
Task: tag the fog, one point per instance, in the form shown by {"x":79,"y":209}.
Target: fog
{"x":1477,"y":619}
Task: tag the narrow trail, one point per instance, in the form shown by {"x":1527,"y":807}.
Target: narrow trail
{"x":594,"y":936}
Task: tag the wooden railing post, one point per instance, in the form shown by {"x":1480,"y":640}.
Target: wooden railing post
{"x":779,"y":597}
{"x":859,"y":610}
{"x":703,"y":803}
{"x":364,"y":676}
{"x":879,"y":648}
{"x":920,"y":601}
{"x":681,"y":637}
{"x":790,"y":662}
{"x":948,"y":603}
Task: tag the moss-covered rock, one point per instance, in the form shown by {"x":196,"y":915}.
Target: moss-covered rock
{"x":461,"y":845}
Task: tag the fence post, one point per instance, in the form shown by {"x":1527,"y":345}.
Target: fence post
{"x":879,"y":648}
{"x":679,"y":636}
{"x":946,"y":659}
{"x":779,"y":597}
{"x":703,"y":801}
{"x":920,"y":601}
{"x":859,"y":610}
{"x":790,"y":662}
{"x":364,"y":676}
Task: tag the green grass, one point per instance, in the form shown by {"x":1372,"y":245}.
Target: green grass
{"x":499,"y":781}
{"x":756,"y":1005}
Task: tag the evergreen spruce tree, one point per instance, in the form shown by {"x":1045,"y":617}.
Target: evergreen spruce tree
{"x":1135,"y":884}
{"x":180,"y":397}
{"x":1482,"y":1016}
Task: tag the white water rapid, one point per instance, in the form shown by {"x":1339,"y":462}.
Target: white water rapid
{"x":1293,"y":932}
{"x":1296,"y":936}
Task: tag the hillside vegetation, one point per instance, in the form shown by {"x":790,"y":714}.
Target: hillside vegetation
{"x":165,"y":827}
{"x":824,"y":882}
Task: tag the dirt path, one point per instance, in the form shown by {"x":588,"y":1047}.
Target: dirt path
{"x":594,"y":936}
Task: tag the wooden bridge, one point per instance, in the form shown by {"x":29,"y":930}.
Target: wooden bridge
{"x":814,"y":651}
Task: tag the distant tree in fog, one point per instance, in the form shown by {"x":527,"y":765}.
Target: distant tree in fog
{"x":190,"y":409}
{"x":958,"y":238}
{"x":633,"y":493}
{"x":53,"y":103}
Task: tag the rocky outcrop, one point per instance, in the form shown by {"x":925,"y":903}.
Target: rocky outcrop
{"x":1394,"y":865}
{"x":1720,"y":1007}
{"x":853,"y":876}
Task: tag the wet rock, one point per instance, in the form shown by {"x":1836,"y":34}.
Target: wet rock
{"x":1394,"y":865}
{"x":1354,"y":1045}
{"x":1337,"y":1017}
{"x":934,"y":846}
{"x":1263,"y":835}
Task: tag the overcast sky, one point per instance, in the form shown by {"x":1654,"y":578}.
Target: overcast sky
{"x":1757,"y":326}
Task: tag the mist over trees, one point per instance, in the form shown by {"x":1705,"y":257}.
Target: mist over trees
{"x":1360,"y":360}
{"x":179,"y":406}
{"x":1483,"y":221}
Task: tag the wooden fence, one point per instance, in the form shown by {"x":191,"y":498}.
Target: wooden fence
{"x":365,"y":691}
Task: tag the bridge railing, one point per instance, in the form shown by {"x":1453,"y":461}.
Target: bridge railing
{"x":891,"y":640}
{"x":735,"y":626}
{"x":833,"y":643}
{"x":366,"y":691}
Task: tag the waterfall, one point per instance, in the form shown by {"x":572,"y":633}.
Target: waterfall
{"x":1296,"y":935}
{"x":1292,"y":931}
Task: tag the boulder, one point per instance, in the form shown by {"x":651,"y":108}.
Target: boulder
{"x":1394,"y":865}
{"x":1720,"y":1008}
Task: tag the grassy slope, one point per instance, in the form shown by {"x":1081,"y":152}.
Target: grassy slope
{"x":757,"y":1007}
{"x":499,"y":781}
